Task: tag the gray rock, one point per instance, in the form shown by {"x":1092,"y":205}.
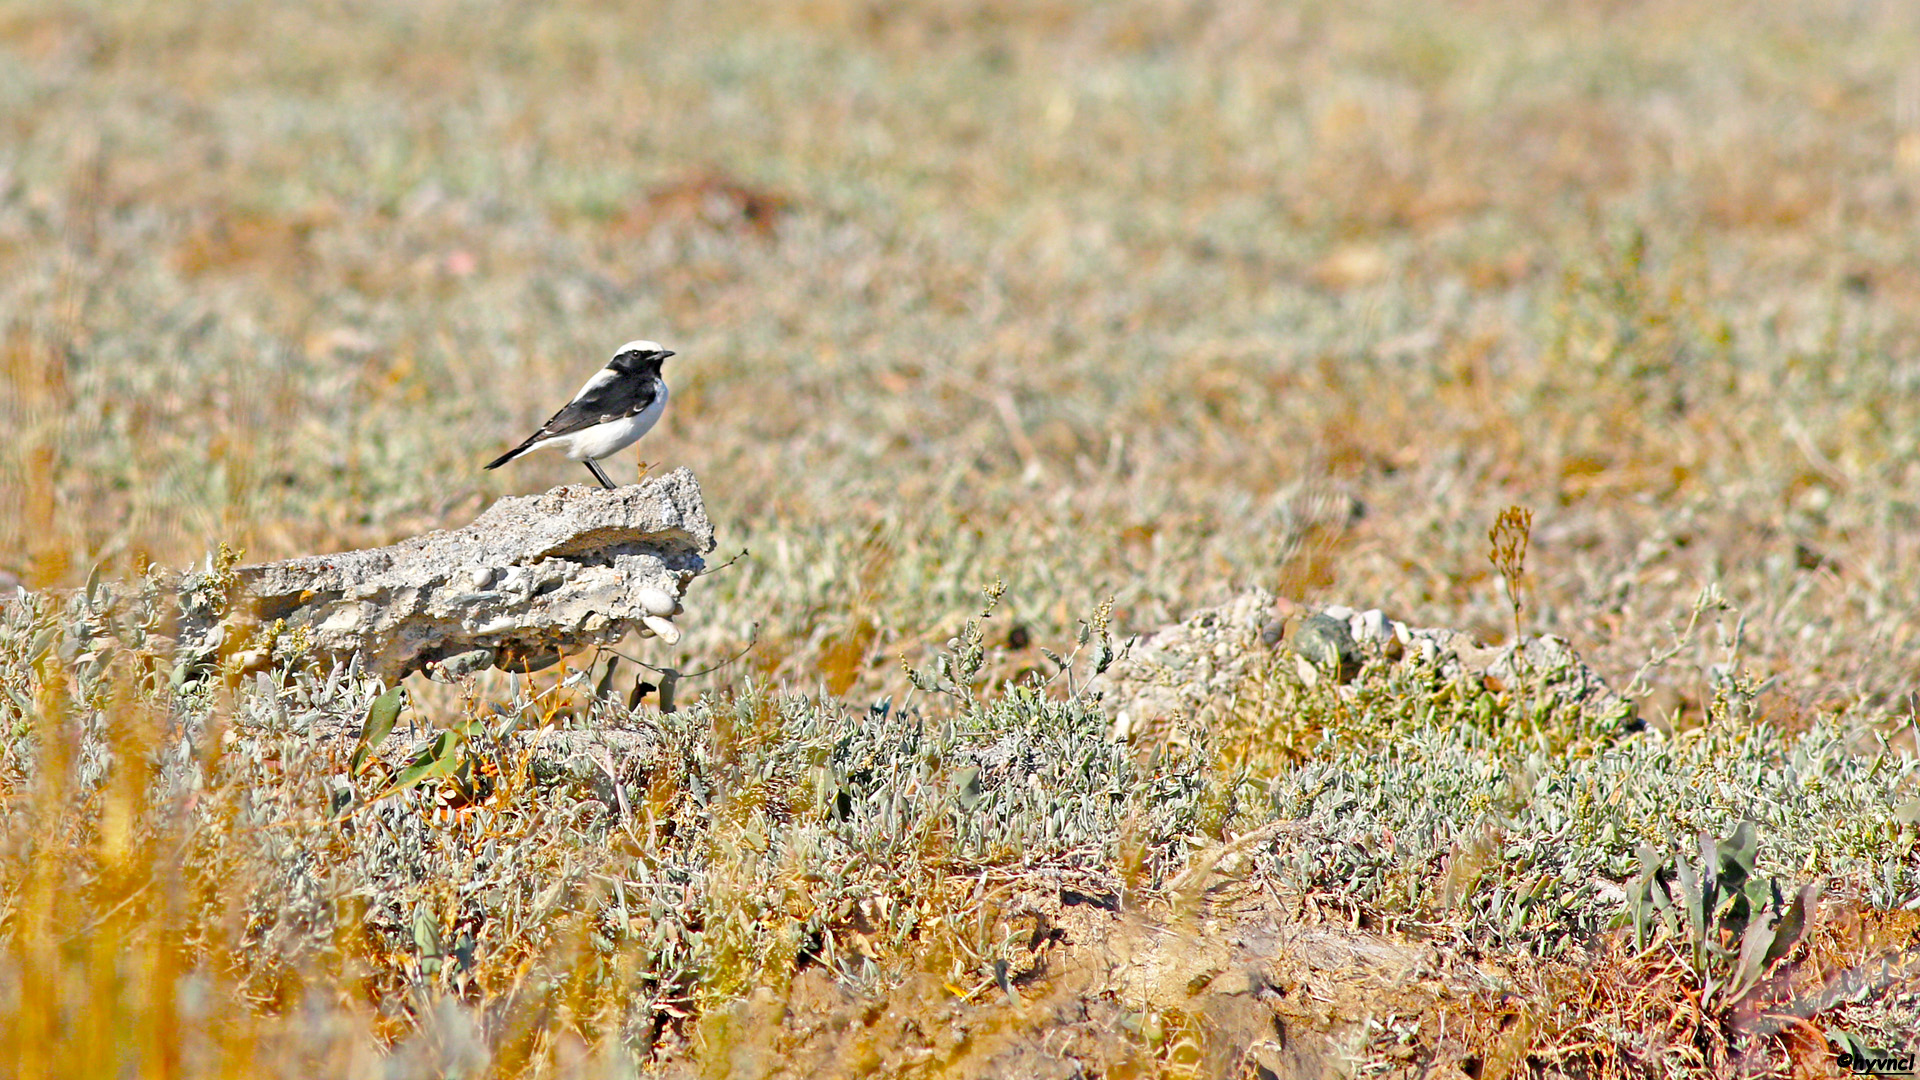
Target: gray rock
{"x":1327,"y":643}
{"x":575,"y":566}
{"x":1188,"y":670}
{"x":1192,"y":670}
{"x":459,"y":665}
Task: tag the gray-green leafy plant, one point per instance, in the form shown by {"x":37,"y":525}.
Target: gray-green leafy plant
{"x":956,"y":669}
{"x":1736,"y":925}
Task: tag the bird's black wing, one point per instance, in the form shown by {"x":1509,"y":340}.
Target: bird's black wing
{"x":621,"y":396}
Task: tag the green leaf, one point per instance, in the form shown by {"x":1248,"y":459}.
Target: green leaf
{"x":426,"y":937}
{"x":42,"y":642}
{"x":1793,"y":923}
{"x":1849,"y":1042}
{"x":967,"y":792}
{"x":463,"y":778}
{"x":1690,"y":895}
{"x":1696,"y":914}
{"x":426,"y":931}
{"x":380,"y":720}
{"x":1755,"y":946}
{"x":438,"y":760}
{"x":1641,"y":904}
{"x":1739,"y":894}
{"x":1736,"y":856}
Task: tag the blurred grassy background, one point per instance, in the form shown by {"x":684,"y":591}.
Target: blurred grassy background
{"x":1143,"y":299}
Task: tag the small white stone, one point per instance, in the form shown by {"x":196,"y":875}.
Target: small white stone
{"x":1337,"y":611}
{"x":654,"y":601}
{"x":1374,"y":626}
{"x":668,"y":632}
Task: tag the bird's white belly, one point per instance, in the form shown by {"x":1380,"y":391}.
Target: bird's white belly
{"x":608,"y":439}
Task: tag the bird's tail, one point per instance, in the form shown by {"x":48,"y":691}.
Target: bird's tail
{"x":509,"y":455}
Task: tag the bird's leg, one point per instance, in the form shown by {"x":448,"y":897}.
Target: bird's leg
{"x":594,"y":467}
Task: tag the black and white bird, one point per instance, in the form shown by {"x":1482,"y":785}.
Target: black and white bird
{"x":611,"y":411}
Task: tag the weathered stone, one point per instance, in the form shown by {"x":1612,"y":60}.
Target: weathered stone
{"x":1173,"y":672}
{"x":1326,"y":643}
{"x":1192,"y":670}
{"x":656,"y":602}
{"x":575,"y":566}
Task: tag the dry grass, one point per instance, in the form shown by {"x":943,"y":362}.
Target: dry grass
{"x":1145,"y":300}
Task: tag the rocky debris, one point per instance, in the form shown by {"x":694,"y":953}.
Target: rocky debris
{"x":531,"y":576}
{"x":1193,"y":669}
{"x":1326,"y":644}
{"x":1189,"y":670}
{"x":1456,"y":655}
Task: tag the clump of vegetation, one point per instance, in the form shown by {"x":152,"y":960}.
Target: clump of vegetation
{"x":1515,"y":821}
{"x":1735,"y":922}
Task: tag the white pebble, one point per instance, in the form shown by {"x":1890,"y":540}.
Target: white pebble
{"x":668,"y":632}
{"x":654,"y":601}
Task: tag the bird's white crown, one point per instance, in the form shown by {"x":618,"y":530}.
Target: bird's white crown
{"x":638,"y":346}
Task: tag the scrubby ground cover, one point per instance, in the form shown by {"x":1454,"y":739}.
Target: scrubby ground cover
{"x":1140,"y":300}
{"x":221,"y":872}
